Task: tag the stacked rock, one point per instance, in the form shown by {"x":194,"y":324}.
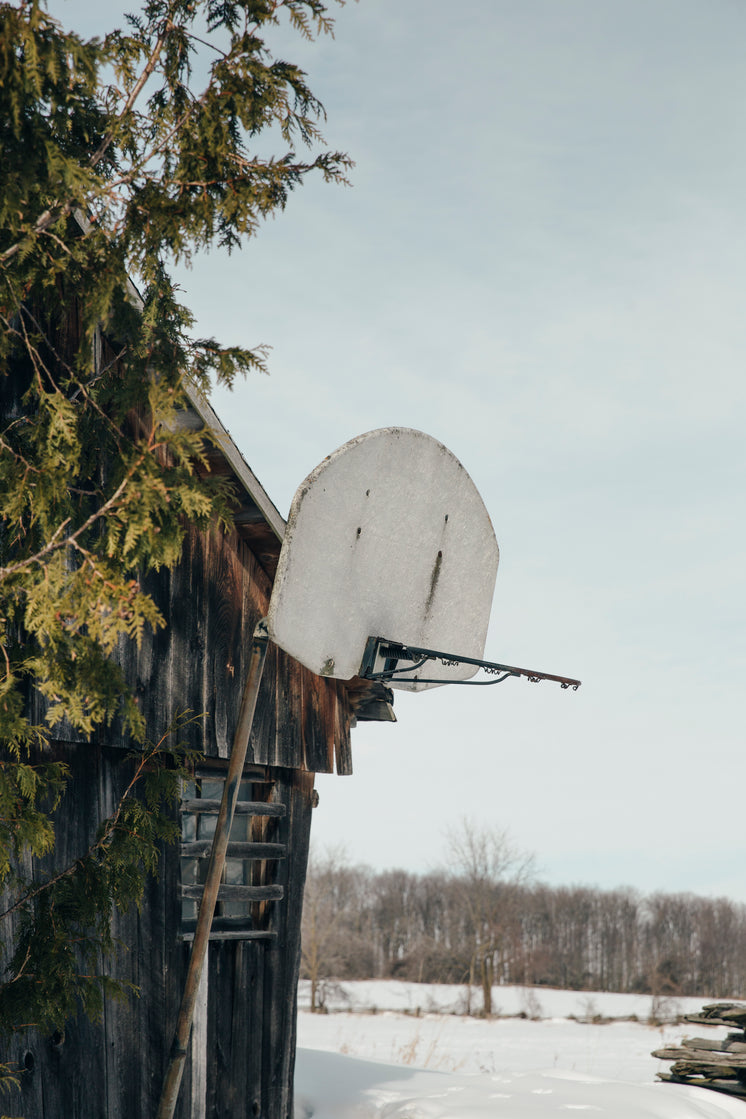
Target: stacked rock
{"x":711,"y":1063}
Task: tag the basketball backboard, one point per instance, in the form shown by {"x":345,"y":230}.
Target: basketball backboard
{"x":387,"y":536}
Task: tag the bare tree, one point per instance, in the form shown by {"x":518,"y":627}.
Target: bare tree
{"x":320,"y":920}
{"x":488,"y":871}
{"x":336,"y":941}
{"x":485,"y":921}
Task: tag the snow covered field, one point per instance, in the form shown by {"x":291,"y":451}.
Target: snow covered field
{"x":401,"y":1051}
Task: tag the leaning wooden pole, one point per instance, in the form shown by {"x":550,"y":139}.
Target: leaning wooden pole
{"x":172,"y":1081}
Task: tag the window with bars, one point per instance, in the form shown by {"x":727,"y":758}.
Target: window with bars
{"x":249,"y":886}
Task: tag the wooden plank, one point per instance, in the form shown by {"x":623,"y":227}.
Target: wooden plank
{"x":264,"y":829}
{"x":313,"y":745}
{"x":263,"y":741}
{"x":282,"y":962}
{"x":219,"y":1009}
{"x":121,"y":1023}
{"x":28,"y":1098}
{"x":52,"y":1078}
{"x":342,"y":717}
{"x":67,"y":1070}
{"x":256,"y":592}
{"x":224,"y":638}
{"x":318,"y":727}
{"x":214,"y":769}
{"x":292,"y":725}
{"x":237,"y":893}
{"x":147,"y":668}
{"x":234,"y":934}
{"x":288,"y":750}
{"x":735,"y":1060}
{"x":188,"y":627}
{"x":234,"y":1095}
{"x":720,"y":1014}
{"x":247,"y":1053}
{"x":201,"y":848}
{"x":150,"y":958}
{"x":206,"y":806}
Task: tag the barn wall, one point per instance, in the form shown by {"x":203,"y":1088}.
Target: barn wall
{"x":245,"y":1049}
{"x":212,"y":600}
{"x":105,"y":1069}
{"x":114,"y":1069}
{"x":250,"y":1071}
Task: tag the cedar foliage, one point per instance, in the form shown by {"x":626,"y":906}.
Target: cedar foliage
{"x":117,"y":162}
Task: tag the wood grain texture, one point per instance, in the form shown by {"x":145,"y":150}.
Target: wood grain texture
{"x":212,"y":601}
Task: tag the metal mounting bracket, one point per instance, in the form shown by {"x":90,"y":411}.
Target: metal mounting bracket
{"x":383,"y":659}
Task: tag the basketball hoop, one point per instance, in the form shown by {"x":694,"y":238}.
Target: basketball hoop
{"x":389,"y":535}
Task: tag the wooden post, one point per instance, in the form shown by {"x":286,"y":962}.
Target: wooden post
{"x":172,"y":1081}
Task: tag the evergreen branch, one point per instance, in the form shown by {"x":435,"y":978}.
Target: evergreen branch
{"x":51,"y":546}
{"x":25,"y":312}
{"x":136,"y":90}
{"x":27,"y":957}
{"x":5,"y":446}
{"x":57,"y":240}
{"x":59,"y":210}
{"x":52,"y":214}
{"x":83,"y":388}
{"x":124,"y":180}
{"x":110,"y":827}
{"x":54,"y":545}
{"x":33,"y":352}
{"x":39,"y":363}
{"x":205,"y":43}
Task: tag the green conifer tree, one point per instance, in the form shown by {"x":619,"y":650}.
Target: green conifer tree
{"x":115,"y":164}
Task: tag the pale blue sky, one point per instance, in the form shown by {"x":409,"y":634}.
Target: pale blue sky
{"x":540,"y":263}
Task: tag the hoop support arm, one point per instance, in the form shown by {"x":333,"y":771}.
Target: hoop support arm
{"x":393,"y":652}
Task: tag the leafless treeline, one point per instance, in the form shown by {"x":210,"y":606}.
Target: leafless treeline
{"x":484,"y":921}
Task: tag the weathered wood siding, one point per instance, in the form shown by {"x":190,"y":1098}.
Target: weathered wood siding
{"x":114,"y":1069}
{"x":245,"y":1042}
{"x":105,"y":1069}
{"x":250,"y":1070}
{"x":212,"y":601}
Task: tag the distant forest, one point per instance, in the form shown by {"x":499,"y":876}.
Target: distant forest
{"x":485,"y":921}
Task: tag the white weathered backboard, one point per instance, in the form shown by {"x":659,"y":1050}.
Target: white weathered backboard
{"x":387,"y":537}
